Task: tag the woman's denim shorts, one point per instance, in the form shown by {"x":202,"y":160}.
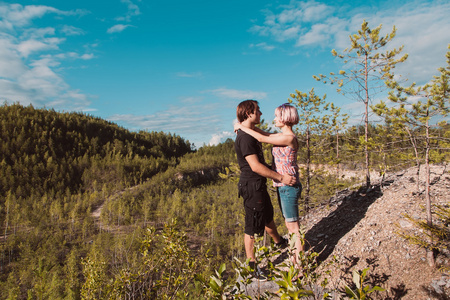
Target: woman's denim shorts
{"x":288,"y":200}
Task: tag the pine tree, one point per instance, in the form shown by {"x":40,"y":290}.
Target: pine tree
{"x":310,"y":106}
{"x":335,"y":125}
{"x":430,"y":101}
{"x":366,"y":67}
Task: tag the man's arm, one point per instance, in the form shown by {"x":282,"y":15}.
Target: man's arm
{"x":262,"y":170}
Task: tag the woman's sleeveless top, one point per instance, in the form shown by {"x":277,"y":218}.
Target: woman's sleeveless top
{"x":284,"y":162}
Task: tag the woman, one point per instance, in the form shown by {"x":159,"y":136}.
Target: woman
{"x":284,"y":153}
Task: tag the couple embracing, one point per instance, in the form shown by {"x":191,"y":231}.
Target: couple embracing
{"x":254,"y":171}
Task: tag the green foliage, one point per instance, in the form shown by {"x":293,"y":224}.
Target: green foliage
{"x":56,"y":168}
{"x":294,"y":282}
{"x":435,"y":236}
{"x":290,"y":289}
{"x":46,"y":157}
{"x":214,"y":288}
{"x":164,"y":270}
{"x":94,"y":272}
{"x":367,"y":68}
{"x":46,"y":150}
{"x":310,"y":107}
{"x":361,"y":291}
{"x":232,"y":172}
{"x":324,"y":184}
{"x":431,"y":101}
{"x":366,"y":63}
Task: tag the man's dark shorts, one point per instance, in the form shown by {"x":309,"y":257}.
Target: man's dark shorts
{"x":257,"y":204}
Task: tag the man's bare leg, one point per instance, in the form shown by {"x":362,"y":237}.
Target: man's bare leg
{"x":249,"y":243}
{"x":271,"y":229}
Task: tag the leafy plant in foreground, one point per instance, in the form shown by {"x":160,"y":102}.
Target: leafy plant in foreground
{"x":164,"y":269}
{"x":361,"y":291}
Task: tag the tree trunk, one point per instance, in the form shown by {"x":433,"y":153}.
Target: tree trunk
{"x":7,"y":204}
{"x":366,"y":120}
{"x":430,"y":255}
{"x":383,"y":176}
{"x":308,"y":169}
{"x":337,"y":159}
{"x":416,"y":153}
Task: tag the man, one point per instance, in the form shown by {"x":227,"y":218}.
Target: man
{"x":252,"y":182}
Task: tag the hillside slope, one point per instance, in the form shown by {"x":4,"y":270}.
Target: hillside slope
{"x":44,"y":151}
{"x":360,"y":230}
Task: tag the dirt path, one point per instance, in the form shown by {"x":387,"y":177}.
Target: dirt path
{"x":98,"y":211}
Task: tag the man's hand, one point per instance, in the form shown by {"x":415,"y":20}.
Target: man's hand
{"x":264,"y":171}
{"x":237,"y":126}
{"x":289,"y":180}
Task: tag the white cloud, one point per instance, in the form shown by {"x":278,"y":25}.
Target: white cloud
{"x":218,"y":138}
{"x":38,"y":33}
{"x":189,"y":119}
{"x":313,"y":11}
{"x":73,"y":55}
{"x":117,"y":28}
{"x":190,"y":75}
{"x":27,"y":47}
{"x":41,"y":79}
{"x":17,"y":15}
{"x":31,"y":59}
{"x":195,"y":120}
{"x":40,"y":85}
{"x":318,"y":34}
{"x":290,"y":32}
{"x":288,"y":15}
{"x":263,"y":46}
{"x":191,"y":100}
{"x":238,"y":94}
{"x":11,"y":64}
{"x":292,"y":21}
{"x":87,"y":56}
{"x":72,"y":30}
{"x":422,"y":27}
{"x":300,"y":11}
{"x":424,"y":31}
{"x":133,"y":10}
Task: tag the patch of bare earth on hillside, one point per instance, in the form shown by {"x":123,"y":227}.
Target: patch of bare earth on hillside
{"x":359,"y":229}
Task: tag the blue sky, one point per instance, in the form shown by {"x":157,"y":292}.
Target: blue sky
{"x":183,"y":66}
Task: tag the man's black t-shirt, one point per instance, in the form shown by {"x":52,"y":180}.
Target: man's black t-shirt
{"x":245,"y":145}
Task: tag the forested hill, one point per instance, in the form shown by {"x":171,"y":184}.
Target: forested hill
{"x":57,"y":168}
{"x":43,"y":150}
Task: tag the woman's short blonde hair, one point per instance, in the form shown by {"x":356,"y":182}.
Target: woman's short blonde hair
{"x":287,"y":114}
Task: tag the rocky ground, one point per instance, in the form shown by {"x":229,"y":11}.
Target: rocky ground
{"x":360,"y":229}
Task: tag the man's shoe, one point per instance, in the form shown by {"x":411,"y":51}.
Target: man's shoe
{"x":282,"y":244}
{"x":259,"y":275}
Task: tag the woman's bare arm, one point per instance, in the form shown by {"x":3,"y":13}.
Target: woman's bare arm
{"x":275,"y":139}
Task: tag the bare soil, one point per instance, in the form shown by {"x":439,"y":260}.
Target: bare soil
{"x":360,"y":229}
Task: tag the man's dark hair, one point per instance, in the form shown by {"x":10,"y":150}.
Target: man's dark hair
{"x":245,"y":108}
